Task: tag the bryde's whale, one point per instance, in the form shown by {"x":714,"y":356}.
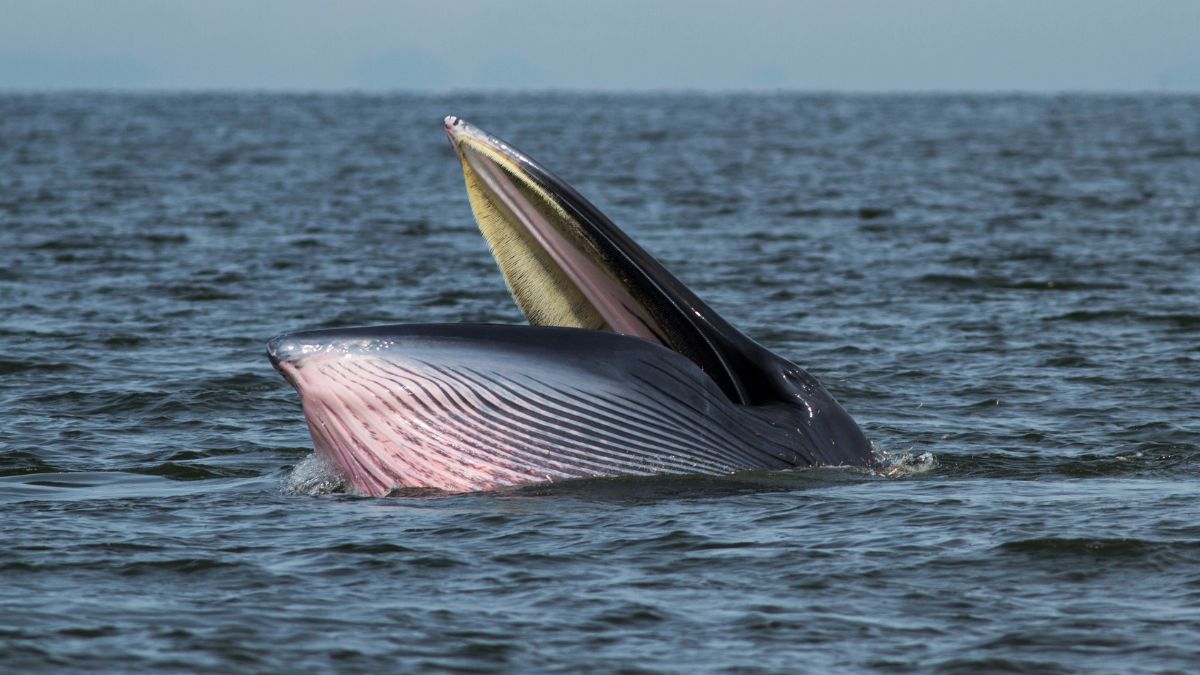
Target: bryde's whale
{"x":623,"y":370}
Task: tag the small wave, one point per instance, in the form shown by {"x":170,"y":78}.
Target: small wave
{"x":1165,"y":553}
{"x":191,"y":471}
{"x":199,"y":293}
{"x":11,"y":366}
{"x":242,"y":381}
{"x":183,"y":565}
{"x":1084,"y":315}
{"x":966,"y":281}
{"x":862,"y":213}
{"x":21,"y":463}
{"x":1180,"y":321}
{"x":314,"y":476}
{"x":903,"y":464}
{"x":873,"y":212}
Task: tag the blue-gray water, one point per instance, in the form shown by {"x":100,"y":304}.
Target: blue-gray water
{"x":1003,"y":290}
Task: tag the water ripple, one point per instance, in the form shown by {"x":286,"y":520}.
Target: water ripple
{"x":1001,"y":288}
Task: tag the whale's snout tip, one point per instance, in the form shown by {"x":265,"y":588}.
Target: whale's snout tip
{"x":454,"y":125}
{"x":281,"y":349}
{"x":284,"y":353}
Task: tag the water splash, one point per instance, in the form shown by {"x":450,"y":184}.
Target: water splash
{"x":903,"y":464}
{"x":314,"y":476}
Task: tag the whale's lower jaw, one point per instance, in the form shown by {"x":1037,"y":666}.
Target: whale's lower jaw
{"x":462,"y":408}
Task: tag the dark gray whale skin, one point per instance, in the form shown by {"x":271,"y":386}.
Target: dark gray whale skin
{"x":464,"y":407}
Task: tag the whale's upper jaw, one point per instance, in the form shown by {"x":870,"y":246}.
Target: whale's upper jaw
{"x":567,"y":264}
{"x":554,"y":266}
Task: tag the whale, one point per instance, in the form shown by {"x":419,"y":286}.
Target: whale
{"x":621,"y":371}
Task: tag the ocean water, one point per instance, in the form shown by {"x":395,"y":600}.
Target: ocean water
{"x":1003,"y":290}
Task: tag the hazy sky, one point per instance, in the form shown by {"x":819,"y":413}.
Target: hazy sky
{"x":858,"y":45}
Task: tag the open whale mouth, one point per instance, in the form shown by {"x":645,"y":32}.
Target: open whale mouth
{"x":559,"y":271}
{"x":567,"y":264}
{"x":623,"y":371}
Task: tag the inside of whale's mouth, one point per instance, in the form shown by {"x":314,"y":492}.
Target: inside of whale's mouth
{"x":557,"y":272}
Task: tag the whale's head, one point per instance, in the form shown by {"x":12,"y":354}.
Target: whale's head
{"x":569,"y":267}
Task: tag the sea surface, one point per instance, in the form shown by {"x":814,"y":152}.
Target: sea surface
{"x":1003,"y":290}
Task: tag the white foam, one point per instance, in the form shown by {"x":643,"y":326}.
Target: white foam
{"x":904,"y":464}
{"x":314,"y":476}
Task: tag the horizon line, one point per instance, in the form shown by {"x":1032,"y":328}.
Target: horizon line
{"x":460,"y":91}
